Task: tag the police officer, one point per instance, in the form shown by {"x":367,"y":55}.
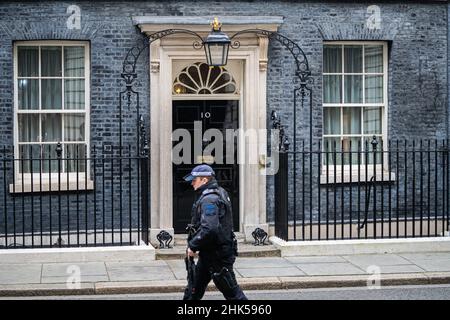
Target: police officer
{"x":214,"y":239}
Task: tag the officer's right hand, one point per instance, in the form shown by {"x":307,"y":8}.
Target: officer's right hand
{"x":190,"y":253}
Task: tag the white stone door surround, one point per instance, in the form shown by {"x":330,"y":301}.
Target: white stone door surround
{"x":252,"y":113}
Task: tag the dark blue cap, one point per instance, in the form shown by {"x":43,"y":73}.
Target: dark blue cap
{"x":202,"y":170}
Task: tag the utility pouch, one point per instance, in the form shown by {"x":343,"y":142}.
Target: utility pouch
{"x":224,"y":280}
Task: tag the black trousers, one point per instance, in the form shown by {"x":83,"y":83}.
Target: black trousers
{"x":209,"y":264}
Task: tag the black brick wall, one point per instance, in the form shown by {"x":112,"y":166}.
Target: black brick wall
{"x":418,"y":57}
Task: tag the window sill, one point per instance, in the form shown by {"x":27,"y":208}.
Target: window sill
{"x":53,"y":186}
{"x":354,"y":178}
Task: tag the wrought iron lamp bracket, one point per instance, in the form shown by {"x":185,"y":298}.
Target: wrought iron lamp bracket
{"x":129,"y":75}
{"x":302,"y":73}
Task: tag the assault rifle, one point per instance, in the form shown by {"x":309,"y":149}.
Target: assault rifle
{"x":190,"y":267}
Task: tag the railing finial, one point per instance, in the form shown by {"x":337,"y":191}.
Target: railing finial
{"x":374,"y":143}
{"x":58,"y":150}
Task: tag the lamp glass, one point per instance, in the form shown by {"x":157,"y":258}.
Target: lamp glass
{"x":216,"y":53}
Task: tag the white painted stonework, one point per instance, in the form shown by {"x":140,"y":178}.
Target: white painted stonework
{"x":64,"y":255}
{"x":166,"y":55}
{"x":348,"y":247}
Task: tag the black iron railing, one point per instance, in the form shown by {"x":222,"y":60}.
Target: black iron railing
{"x":367,"y":190}
{"x":74,"y":200}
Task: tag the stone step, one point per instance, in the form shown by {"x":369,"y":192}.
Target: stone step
{"x":245,"y":250}
{"x":180,"y":239}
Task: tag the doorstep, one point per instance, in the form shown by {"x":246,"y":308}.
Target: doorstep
{"x":244,"y":249}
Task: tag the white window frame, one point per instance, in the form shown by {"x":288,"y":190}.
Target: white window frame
{"x":355,"y":168}
{"x":234,"y":68}
{"x":24,"y":182}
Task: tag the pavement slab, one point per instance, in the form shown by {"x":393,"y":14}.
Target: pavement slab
{"x":179,"y":273}
{"x":269,"y":272}
{"x":85,"y":279}
{"x":20,"y":273}
{"x":272,"y":262}
{"x":315,"y":259}
{"x":426,"y":256}
{"x":136,"y":273}
{"x":66,"y":269}
{"x":154,"y":263}
{"x":401,"y":269}
{"x":365,"y":260}
{"x":436,"y":265}
{"x":318,"y":269}
{"x":176,"y":264}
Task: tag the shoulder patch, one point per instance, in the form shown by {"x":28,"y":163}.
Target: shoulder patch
{"x":210,"y":209}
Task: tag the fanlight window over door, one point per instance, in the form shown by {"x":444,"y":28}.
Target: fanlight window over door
{"x":199,"y":78}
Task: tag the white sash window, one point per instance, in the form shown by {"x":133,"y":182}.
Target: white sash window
{"x":51,"y":94}
{"x":354,"y":98}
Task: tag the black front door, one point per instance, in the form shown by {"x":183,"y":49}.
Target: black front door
{"x":214,"y":114}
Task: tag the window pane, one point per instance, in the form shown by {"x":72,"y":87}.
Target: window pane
{"x":353,"y":89}
{"x":76,"y":155}
{"x":28,"y":91}
{"x":351,"y":120}
{"x":353,"y":59}
{"x":332,"y":87}
{"x":332,"y":147}
{"x":332,"y":59}
{"x":51,"y":62}
{"x":372,"y":120}
{"x":350,"y":148}
{"x":373,"y":59}
{"x":224,"y":78}
{"x":49,"y":158}
{"x":74,"y":61}
{"x":184,"y":78}
{"x":332,"y":120}
{"x":28,"y":59}
{"x":51,"y":94}
{"x":28,"y":127}
{"x":214,"y":73}
{"x":374,"y":89}
{"x":30,"y":155}
{"x":51,"y":127}
{"x":74,"y":94}
{"x":194,"y":73}
{"x":74,"y":127}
